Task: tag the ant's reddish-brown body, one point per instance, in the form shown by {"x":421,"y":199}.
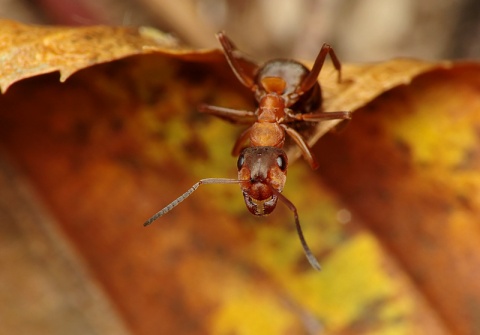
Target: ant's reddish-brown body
{"x":287,"y":93}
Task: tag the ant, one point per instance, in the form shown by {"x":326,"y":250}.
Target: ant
{"x":287,"y":95}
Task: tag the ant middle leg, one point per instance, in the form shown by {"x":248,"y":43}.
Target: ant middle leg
{"x":231,"y":115}
{"x":321,"y":116}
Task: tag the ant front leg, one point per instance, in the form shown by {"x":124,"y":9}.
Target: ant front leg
{"x":244,"y":68}
{"x":231,"y":115}
{"x":312,"y":77}
{"x":304,"y":148}
{"x":240,"y":142}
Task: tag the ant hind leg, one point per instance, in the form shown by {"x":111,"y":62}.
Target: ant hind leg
{"x":312,"y":77}
{"x":243,"y":67}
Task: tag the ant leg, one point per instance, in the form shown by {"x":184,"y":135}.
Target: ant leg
{"x":238,"y":146}
{"x":243,"y":67}
{"x":312,"y":77}
{"x":228,"y":114}
{"x":304,"y":148}
{"x":310,"y":257}
{"x":322,"y":116}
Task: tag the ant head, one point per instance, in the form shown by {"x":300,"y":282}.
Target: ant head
{"x":264,"y":172}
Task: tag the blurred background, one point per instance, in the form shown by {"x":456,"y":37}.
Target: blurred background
{"x":368,"y":30}
{"x":59,"y":289}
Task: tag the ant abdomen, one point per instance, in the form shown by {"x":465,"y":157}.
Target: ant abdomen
{"x":293,"y":73}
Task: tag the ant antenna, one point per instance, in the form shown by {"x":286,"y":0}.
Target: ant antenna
{"x":185,"y":195}
{"x":311,"y":258}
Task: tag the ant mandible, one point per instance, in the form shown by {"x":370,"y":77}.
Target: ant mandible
{"x":287,"y":93}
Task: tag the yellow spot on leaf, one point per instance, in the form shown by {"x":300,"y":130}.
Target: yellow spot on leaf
{"x":437,"y":132}
{"x":352,"y":286}
{"x":247,"y":313}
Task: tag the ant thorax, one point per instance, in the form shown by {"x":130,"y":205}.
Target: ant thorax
{"x":267,"y":131}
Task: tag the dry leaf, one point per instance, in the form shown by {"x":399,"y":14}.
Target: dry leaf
{"x":28,"y":51}
{"x":118,"y":141}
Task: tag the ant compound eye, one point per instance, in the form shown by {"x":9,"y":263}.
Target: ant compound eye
{"x":282,"y":162}
{"x":241,"y":160}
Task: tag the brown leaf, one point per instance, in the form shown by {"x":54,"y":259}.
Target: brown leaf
{"x":408,"y":166}
{"x":39,"y":264}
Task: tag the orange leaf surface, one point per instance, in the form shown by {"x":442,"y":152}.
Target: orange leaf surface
{"x":391,"y":213}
